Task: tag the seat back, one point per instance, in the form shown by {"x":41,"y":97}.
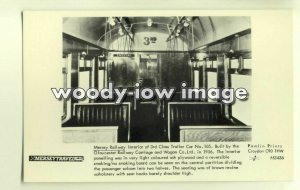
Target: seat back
{"x":104,"y":114}
{"x":192,"y":113}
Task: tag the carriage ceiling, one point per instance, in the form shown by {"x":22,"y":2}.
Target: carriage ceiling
{"x":204,"y":29}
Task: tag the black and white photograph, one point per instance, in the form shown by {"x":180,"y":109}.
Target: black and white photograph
{"x":151,"y":94}
{"x":156,"y":79}
{"x":157,"y":96}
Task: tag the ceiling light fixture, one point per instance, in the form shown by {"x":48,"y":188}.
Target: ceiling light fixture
{"x":186,"y":24}
{"x":149,"y":22}
{"x":187,"y":21}
{"x":111,"y":21}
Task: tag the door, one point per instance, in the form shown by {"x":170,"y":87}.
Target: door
{"x":148,"y":124}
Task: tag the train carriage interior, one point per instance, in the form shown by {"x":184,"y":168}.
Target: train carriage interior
{"x":156,"y":52}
